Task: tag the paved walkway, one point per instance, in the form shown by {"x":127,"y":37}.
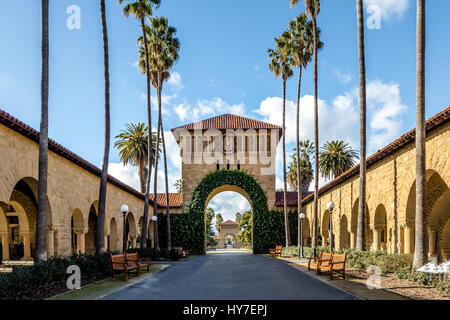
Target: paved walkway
{"x":230,"y":275}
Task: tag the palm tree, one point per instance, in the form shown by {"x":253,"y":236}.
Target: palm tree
{"x":362,"y":128}
{"x":335,"y":158}
{"x":41,"y":219}
{"x":420,"y":247}
{"x":280,"y":65}
{"x":313,"y":9}
{"x":164,"y":53}
{"x":141,"y":9}
{"x":306,"y":175}
{"x":100,"y":239}
{"x":132,"y":145}
{"x":302,"y":36}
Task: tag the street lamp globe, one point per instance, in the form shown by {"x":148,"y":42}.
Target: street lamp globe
{"x":124,"y":208}
{"x":154,"y":218}
{"x":302,"y":216}
{"x":330,"y":205}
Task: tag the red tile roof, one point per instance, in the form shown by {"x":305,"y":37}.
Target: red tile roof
{"x":18,"y":126}
{"x":229,"y":223}
{"x":175,"y":200}
{"x":431,"y":124}
{"x":227,"y":121}
{"x":291,"y":198}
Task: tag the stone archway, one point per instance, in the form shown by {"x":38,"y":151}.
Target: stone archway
{"x":237,"y":181}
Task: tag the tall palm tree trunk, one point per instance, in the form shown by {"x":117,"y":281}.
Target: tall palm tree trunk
{"x":299,"y":174}
{"x":150,"y":144}
{"x":155,"y":179}
{"x":142,"y":176}
{"x":362,"y":131}
{"x":286,"y":216}
{"x":420,"y":252}
{"x":169,"y":237}
{"x":41,"y":219}
{"x":316,"y":141}
{"x":100,"y":239}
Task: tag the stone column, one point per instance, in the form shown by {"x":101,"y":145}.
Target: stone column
{"x":80,"y":242}
{"x":408,"y":237}
{"x":26,"y":247}
{"x":5,"y":247}
{"x":50,"y":243}
{"x":432,"y":241}
{"x":376,"y":239}
{"x":352,"y":240}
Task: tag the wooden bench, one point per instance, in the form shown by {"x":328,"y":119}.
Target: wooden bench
{"x":274,"y":252}
{"x":133,"y":258}
{"x":323,"y":259}
{"x":337,"y":265}
{"x":183,"y":253}
{"x":119,"y":263}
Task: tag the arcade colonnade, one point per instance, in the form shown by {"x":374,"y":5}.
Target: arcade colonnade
{"x":390,"y":202}
{"x":73,"y":185}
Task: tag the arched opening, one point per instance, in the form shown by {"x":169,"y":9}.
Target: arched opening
{"x":92,"y":230}
{"x":232,"y":180}
{"x":325,"y":228}
{"x":228,"y":218}
{"x":380,"y":229}
{"x":18,"y":222}
{"x":113,"y":236}
{"x":437,"y":214}
{"x":354,"y":226}
{"x":307,"y":240}
{"x":344,"y":235}
{"x":77,"y":233}
{"x":131,"y":231}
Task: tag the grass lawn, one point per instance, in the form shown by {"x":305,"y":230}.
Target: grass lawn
{"x":105,"y":287}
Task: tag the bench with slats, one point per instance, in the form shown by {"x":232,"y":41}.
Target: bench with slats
{"x":323,"y":259}
{"x":133,"y":258}
{"x":274,"y":252}
{"x":336,"y":265}
{"x":119,"y":263}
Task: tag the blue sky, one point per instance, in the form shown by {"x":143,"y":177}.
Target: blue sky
{"x":222,"y":68}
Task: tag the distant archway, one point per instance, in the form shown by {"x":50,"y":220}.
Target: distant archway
{"x":92,"y":231}
{"x":113,"y":236}
{"x":380,"y":228}
{"x":354,"y":226}
{"x":344,"y":235}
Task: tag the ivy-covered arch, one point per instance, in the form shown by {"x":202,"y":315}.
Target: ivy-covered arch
{"x":256,"y":197}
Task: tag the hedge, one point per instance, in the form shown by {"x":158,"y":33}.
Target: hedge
{"x":25,"y":279}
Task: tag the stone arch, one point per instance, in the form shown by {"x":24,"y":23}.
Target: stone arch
{"x":325,"y":228}
{"x":354,"y":225}
{"x":435,"y":189}
{"x":77,"y":231}
{"x":306,"y":232}
{"x":113,"y":236}
{"x":238,"y":181}
{"x":344,"y":234}
{"x":438,"y":230}
{"x":380,"y":228}
{"x":131,"y":230}
{"x":91,"y":230}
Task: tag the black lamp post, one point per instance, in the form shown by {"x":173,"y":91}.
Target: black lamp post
{"x":330,"y":207}
{"x":124,"y":209}
{"x":302,"y":219}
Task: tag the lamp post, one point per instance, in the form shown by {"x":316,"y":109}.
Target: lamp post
{"x":330,"y":207}
{"x":302,"y":218}
{"x":124,"y":210}
{"x":154,"y":219}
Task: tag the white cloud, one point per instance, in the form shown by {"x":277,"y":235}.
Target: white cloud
{"x":205,"y":108}
{"x":127,"y":174}
{"x":390,"y":9}
{"x":134,"y":64}
{"x":228,"y":204}
{"x":343,"y":77}
{"x":385,"y":101}
{"x":175,"y":80}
